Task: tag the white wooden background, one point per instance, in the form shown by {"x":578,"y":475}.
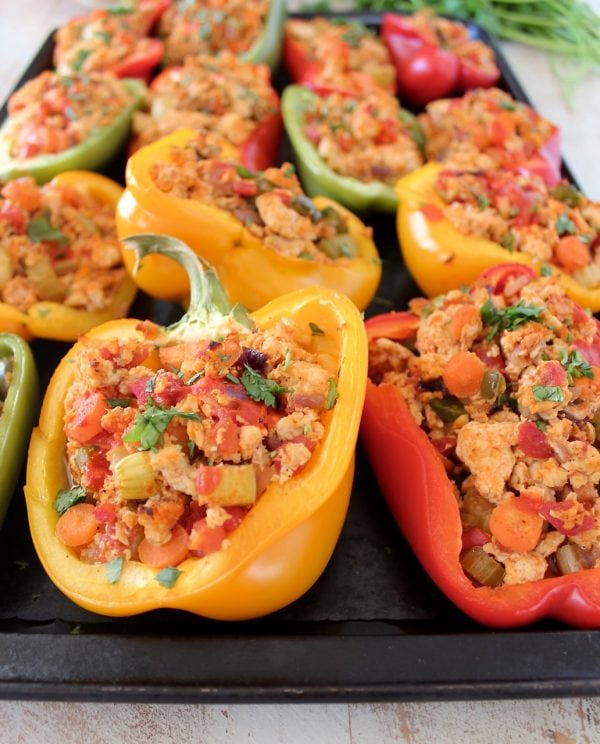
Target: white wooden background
{"x":24,"y":24}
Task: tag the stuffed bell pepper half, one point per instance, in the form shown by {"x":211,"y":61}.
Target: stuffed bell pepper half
{"x":66,"y":122}
{"x":253,"y":31}
{"x":61,"y":270}
{"x":261,"y":233}
{"x":452,"y":224}
{"x":206,"y":466}
{"x":230,"y":97}
{"x":352,"y":149}
{"x":18,"y":406}
{"x":481,"y":425}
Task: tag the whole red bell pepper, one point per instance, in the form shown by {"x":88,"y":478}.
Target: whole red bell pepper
{"x":422,"y":499}
{"x":435,"y":65}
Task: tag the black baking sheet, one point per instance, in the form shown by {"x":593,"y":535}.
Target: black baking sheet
{"x":374,"y":627}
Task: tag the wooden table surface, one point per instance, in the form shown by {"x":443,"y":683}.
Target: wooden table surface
{"x":23,"y":27}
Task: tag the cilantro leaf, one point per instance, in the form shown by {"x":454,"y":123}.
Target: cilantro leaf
{"x":40,"y":229}
{"x":482,"y":201}
{"x":260,"y":388}
{"x":575,"y":365}
{"x":315,"y":330}
{"x":114,"y":569}
{"x":332,"y":394}
{"x":507,"y":318}
{"x":168,"y":576}
{"x":565,"y":225}
{"x":118,"y":402}
{"x":80,"y":59}
{"x":68,"y":497}
{"x":149,"y":425}
{"x":548,"y":392}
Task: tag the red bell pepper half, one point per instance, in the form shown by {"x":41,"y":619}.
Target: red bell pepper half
{"x":421,"y":498}
{"x":261,"y":149}
{"x":426,"y":70}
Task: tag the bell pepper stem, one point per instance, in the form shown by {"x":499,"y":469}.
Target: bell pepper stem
{"x":209,"y":302}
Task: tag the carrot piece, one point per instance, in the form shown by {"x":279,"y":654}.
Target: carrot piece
{"x":463,"y":374}
{"x":24,"y":193}
{"x":206,"y":539}
{"x":572,"y":254}
{"x":464,"y":316}
{"x":86,"y":420}
{"x":77,"y":526}
{"x":516,"y":527}
{"x":169,"y":554}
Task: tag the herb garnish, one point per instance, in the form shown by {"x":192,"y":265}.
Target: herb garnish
{"x":149,"y":426}
{"x":40,"y":229}
{"x":564,"y":224}
{"x":114,"y":569}
{"x":575,"y":365}
{"x":168,"y":576}
{"x":80,"y":59}
{"x":118,"y":402}
{"x":315,"y":330}
{"x":507,"y":318}
{"x":260,"y":388}
{"x":68,"y":497}
{"x":548,"y":392}
{"x":332,"y":394}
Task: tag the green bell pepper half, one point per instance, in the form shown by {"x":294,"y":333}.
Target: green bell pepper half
{"x":317,"y":177}
{"x":91,"y":154}
{"x":267,"y":48}
{"x":19,"y":404}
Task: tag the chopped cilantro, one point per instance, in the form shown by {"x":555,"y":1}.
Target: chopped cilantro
{"x":260,"y":388}
{"x":483,"y":201}
{"x":332,"y":394}
{"x":195,"y":377}
{"x":315,"y":330}
{"x":168,"y":576}
{"x":40,"y":229}
{"x":575,"y":365}
{"x":191,"y":448}
{"x":355,"y":33}
{"x":205,"y":31}
{"x":289,"y":170}
{"x":149,"y":388}
{"x":149,"y":426}
{"x":287,"y":360}
{"x":548,"y":392}
{"x":565,"y":225}
{"x":507,"y":318}
{"x":114,"y":569}
{"x":118,"y":402}
{"x":75,"y":630}
{"x":507,"y":105}
{"x":80,"y":59}
{"x":244,"y":172}
{"x":233,"y":378}
{"x":546,"y":270}
{"x":566,"y":193}
{"x":68,"y":497}
{"x":541,"y":425}
{"x":508,"y":241}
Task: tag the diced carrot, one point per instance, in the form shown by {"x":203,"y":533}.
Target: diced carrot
{"x":173,"y":356}
{"x":170,"y":553}
{"x":515,"y":528}
{"x":205,"y":539}
{"x":464,"y":316}
{"x":86,"y":420}
{"x":572,"y":254}
{"x":463,"y":374}
{"x":77,"y":526}
{"x":24,"y":193}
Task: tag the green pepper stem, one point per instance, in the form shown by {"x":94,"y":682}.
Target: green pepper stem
{"x":209,"y":302}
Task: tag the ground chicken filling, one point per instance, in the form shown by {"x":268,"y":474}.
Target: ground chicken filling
{"x":169,"y":446}
{"x":370,"y":139}
{"x":57,"y":243}
{"x":346,"y":50}
{"x":483,"y":130}
{"x":501,"y":383}
{"x":53,"y":112}
{"x":191,"y":27}
{"x":556,"y":224}
{"x":227,"y":96}
{"x":270,"y":204}
{"x":98,"y":41}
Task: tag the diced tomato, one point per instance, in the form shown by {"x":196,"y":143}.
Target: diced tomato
{"x":15,"y":217}
{"x":245,"y":188}
{"x":533,"y":442}
{"x":497,"y":277}
{"x":207,"y":479}
{"x":23,"y":193}
{"x":311,"y":132}
{"x":561,"y":513}
{"x":95,"y":469}
{"x":86,"y":421}
{"x":445,"y":445}
{"x":236,"y":514}
{"x":138,"y":388}
{"x":551,"y":373}
{"x":205,"y":539}
{"x":474,"y":537}
{"x":106,"y":513}
{"x":388,"y":132}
